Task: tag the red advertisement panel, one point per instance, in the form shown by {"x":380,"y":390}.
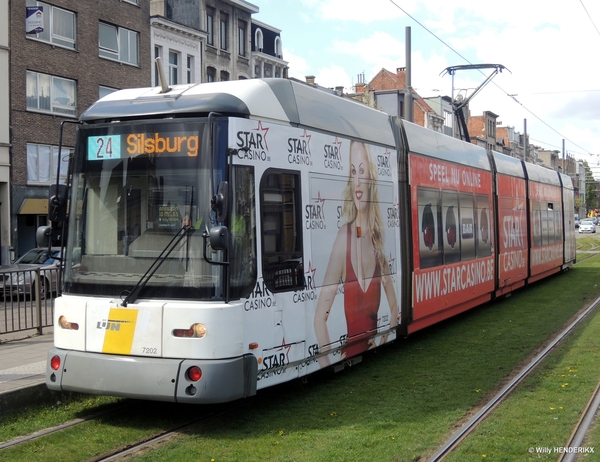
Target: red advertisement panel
{"x":546,"y":227}
{"x":452,"y":234}
{"x":512,"y":230}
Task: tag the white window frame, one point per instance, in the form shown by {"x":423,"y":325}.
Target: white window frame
{"x":258,"y":40}
{"x":174,"y":59}
{"x":42,"y":161}
{"x":242,"y":27}
{"x":37,"y":84}
{"x":52,"y":35}
{"x":190,"y":68}
{"x":125,"y":47}
{"x":224,"y":32}
{"x":210,"y":22}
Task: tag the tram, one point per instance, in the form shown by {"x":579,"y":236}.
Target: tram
{"x":230,"y":236}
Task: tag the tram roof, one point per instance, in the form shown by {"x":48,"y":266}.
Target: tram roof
{"x":566,"y":181}
{"x":277,"y":100}
{"x":542,"y":174}
{"x":507,"y":165}
{"x":439,"y":146}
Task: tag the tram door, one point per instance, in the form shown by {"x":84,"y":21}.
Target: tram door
{"x":282,"y":264}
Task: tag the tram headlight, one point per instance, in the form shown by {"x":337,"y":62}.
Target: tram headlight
{"x":197,"y":330}
{"x":65,"y":324}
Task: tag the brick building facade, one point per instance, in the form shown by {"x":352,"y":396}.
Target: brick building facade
{"x":85,"y":49}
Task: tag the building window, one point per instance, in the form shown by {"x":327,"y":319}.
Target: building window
{"x":210,"y":39}
{"x":173,"y":68}
{"x":448,"y":119}
{"x":278,"y":48}
{"x":211,"y":74}
{"x":58,"y":24}
{"x":135,"y":2}
{"x":258,"y":40}
{"x":119,"y":44}
{"x":268,"y":70}
{"x":42,"y":163}
{"x":47,"y":93}
{"x":223,"y":32}
{"x":190,"y":69}
{"x":103,"y":91}
{"x":242,"y":38}
{"x":157,"y":54}
{"x":224,"y":76}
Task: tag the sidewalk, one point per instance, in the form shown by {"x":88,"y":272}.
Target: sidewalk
{"x":23,"y":368}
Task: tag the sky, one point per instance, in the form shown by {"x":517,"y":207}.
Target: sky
{"x":550,"y":52}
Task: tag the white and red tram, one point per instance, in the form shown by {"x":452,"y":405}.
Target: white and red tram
{"x":230,"y":236}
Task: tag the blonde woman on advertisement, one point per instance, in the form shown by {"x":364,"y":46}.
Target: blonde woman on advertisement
{"x":359,"y":261}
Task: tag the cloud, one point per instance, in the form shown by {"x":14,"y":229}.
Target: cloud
{"x":357,"y":10}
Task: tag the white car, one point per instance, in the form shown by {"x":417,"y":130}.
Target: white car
{"x":587,"y":226}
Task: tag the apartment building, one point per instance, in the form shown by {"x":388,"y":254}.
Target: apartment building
{"x":64,"y":55}
{"x":58,"y":58}
{"x":213,"y":41}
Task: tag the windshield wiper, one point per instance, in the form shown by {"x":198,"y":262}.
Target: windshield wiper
{"x":135,"y":292}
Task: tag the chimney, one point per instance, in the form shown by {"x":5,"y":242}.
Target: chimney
{"x":310,"y":79}
{"x":360,"y":87}
{"x":339,"y":90}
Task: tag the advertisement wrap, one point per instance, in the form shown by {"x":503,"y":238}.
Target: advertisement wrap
{"x":453,"y":234}
{"x":512,"y":242}
{"x":350,"y":226}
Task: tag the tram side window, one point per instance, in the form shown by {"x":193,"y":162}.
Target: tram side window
{"x":547,"y":223}
{"x":558,"y":224}
{"x":282,"y":260}
{"x":243,"y":232}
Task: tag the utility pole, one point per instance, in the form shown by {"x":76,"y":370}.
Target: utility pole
{"x":525,"y":139}
{"x":408,"y":101}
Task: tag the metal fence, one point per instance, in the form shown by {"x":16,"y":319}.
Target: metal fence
{"x":28,"y":299}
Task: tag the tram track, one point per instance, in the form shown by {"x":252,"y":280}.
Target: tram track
{"x":468,"y":427}
{"x":61,"y":427}
{"x":134,"y":446}
{"x":576,"y":439}
{"x":160,"y":437}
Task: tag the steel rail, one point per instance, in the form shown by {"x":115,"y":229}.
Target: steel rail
{"x":472,"y":423}
{"x":152,"y":440}
{"x":60,"y":427}
{"x":580,"y":430}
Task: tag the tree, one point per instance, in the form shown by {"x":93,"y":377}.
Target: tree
{"x":590,"y":189}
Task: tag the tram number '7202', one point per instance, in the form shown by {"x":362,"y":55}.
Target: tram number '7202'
{"x":149,"y":351}
{"x":104,"y":147}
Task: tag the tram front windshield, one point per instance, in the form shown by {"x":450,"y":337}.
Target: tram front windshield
{"x":137,"y":187}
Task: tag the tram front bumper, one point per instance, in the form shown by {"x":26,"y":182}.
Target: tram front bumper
{"x":157,"y":379}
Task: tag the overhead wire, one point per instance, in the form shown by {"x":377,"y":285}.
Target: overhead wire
{"x":513,"y":97}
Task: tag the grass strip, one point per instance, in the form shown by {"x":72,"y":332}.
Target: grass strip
{"x":540,"y":417}
{"x":398,"y":404}
{"x":402,"y":403}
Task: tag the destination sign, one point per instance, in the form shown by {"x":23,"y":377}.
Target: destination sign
{"x":110,"y":147}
